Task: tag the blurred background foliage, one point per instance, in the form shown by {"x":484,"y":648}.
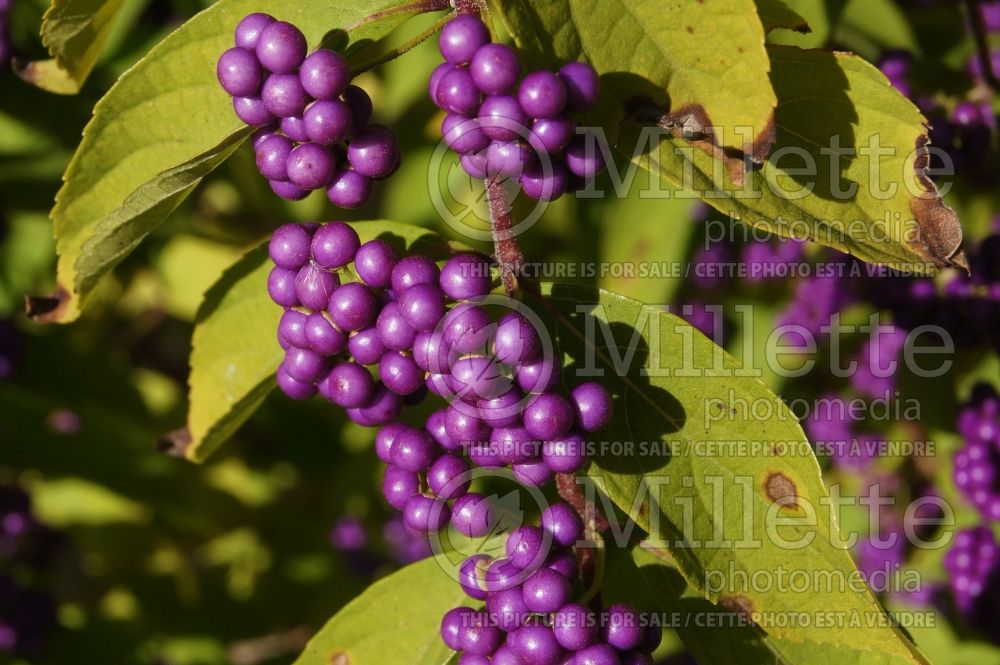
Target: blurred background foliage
{"x":240,"y":560}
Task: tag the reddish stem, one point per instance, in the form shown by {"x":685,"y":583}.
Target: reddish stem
{"x":508,"y":253}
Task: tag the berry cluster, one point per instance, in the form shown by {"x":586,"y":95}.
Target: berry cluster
{"x":972,"y":563}
{"x":877,"y":366}
{"x":529,"y":617}
{"x":505,"y":128}
{"x":365,"y":556}
{"x":5,"y":45}
{"x":977,"y":463}
{"x":27,"y":614}
{"x":766,"y":261}
{"x":425,"y":330}
{"x":314,"y":126}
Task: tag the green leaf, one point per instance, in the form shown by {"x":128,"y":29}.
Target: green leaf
{"x":74,"y":31}
{"x":676,"y":51}
{"x":396,"y":621}
{"x":727,"y":640}
{"x":234,"y":351}
{"x":825,"y":98}
{"x":65,"y":502}
{"x":736,"y":461}
{"x":776,"y":14}
{"x":161,"y":127}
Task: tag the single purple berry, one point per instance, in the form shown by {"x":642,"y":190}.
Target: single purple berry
{"x":516,"y":340}
{"x":281,"y":47}
{"x":400,"y":373}
{"x":467,"y":328}
{"x":314,"y":286}
{"x":384,"y":407}
{"x":593,"y":405}
{"x":457,"y":93}
{"x":535,"y":474}
{"x":281,"y":287}
{"x":361,"y":106}
{"x":535,"y":645}
{"x":447,"y":477}
{"x":292,"y":329}
{"x":413,"y":450}
{"x":582,"y":86}
{"x":239,"y":72}
{"x":474,"y":164}
{"x":283,"y":95}
{"x":461,"y":38}
{"x":563,"y":523}
{"x":349,"y":385}
{"x":466,"y":276}
{"x":549,"y":416}
{"x":349,"y":189}
{"x":399,"y":486}
{"x":310,"y":166}
{"x":297,"y":390}
{"x":272,"y":157}
{"x":374,"y":262}
{"x":502,"y":118}
{"x":353,"y":306}
{"x":334,"y":245}
{"x":477,"y":377}
{"x":424,"y":514}
{"x":502,"y":411}
{"x":414,"y":270}
{"x":248,"y":30}
{"x":463,"y":134}
{"x":289,"y":246}
{"x":546,"y":590}
{"x":507,"y":609}
{"x":565,"y":454}
{"x":252,"y":111}
{"x":552,"y":135}
{"x":472,"y":515}
{"x":305,"y":364}
{"x":435,"y":79}
{"x":513,"y":445}
{"x":324,"y":74}
{"x":501,"y":574}
{"x":422,"y":305}
{"x":287,"y":190}
{"x":472,"y":572}
{"x":463,"y":427}
{"x":509,"y":158}
{"x":373,"y":153}
{"x":394,"y":331}
{"x":365,"y":346}
{"x":294,"y":127}
{"x":564,"y":563}
{"x":545,"y":187}
{"x":524,"y":547}
{"x":584,"y":157}
{"x":542,"y":94}
{"x":385,"y":438}
{"x":327,"y":121}
{"x":495,"y":69}
{"x":452,"y":623}
{"x":596,"y":654}
{"x":538,"y":376}
{"x":574,"y":626}
{"x":480,"y":637}
{"x":439,"y":432}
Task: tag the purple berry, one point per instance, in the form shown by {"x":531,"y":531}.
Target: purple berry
{"x":452,"y":623}
{"x":574,"y":626}
{"x":281,"y":287}
{"x":304,"y":364}
{"x":327,"y":121}
{"x":563,"y":523}
{"x":373,"y":153}
{"x":239,"y":72}
{"x":538,"y":376}
{"x":313,"y":286}
{"x":349,"y":385}
{"x":349,"y":189}
{"x":324,"y":74}
{"x":294,"y":127}
{"x":463,"y":134}
{"x":474,"y":164}
{"x":283,"y":95}
{"x":384,"y":407}
{"x":400,"y":373}
{"x":563,"y":563}
{"x":361,"y":106}
{"x":552,"y":135}
{"x":535,"y":645}
{"x":593,"y":405}
{"x":252,"y":111}
{"x":516,"y":340}
{"x":334,"y":245}
{"x":374,"y":262}
{"x":289,"y":246}
{"x":582,"y":86}
{"x":442,"y":478}
{"x":524,"y":547}
{"x":535,"y":474}
{"x":584,"y":157}
{"x":507,"y":609}
{"x":472,"y":515}
{"x":495,"y":69}
{"x":566,"y":454}
{"x":622,"y":628}
{"x":542,"y":94}
{"x":477,"y":377}
{"x":422,"y":305}
{"x":365,"y":346}
{"x":353,"y":306}
{"x":399,"y":486}
{"x":439,"y":432}
{"x":413,"y":450}
{"x":310,"y":166}
{"x":393,"y":330}
{"x":272,"y":157}
{"x":501,"y":574}
{"x":596,"y":654}
{"x":461,"y":38}
{"x":466,"y":276}
{"x":287,"y":190}
{"x":513,"y":445}
{"x":502,"y":118}
{"x":436,"y":76}
{"x":457,"y":93}
{"x":480,"y":637}
{"x":467,"y":328}
{"x":385,"y":438}
{"x":323,"y":336}
{"x":422,"y":513}
{"x":248,"y":30}
{"x":292,"y":329}
{"x":508,"y":158}
{"x":546,"y":590}
{"x":297,"y":390}
{"x":463,"y":427}
{"x":414,"y":270}
{"x":502,"y":411}
{"x":281,"y":47}
{"x":545,"y":187}
{"x":548,"y":416}
{"x":472,"y":572}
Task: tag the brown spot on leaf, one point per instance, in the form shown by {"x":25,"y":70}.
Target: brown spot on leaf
{"x":939,"y":232}
{"x":781,"y":489}
{"x":690,"y":30}
{"x":47,"y":309}
{"x":340,"y":658}
{"x":175,"y":443}
{"x":739,"y":604}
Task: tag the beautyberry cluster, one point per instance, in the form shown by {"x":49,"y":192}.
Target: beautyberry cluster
{"x":529,"y":616}
{"x":27,"y":613}
{"x":977,"y":463}
{"x":314,"y":125}
{"x":425,"y":330}
{"x":972,"y":563}
{"x":507,"y":126}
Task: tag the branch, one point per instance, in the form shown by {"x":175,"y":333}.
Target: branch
{"x":981,"y":36}
{"x":508,"y":253}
